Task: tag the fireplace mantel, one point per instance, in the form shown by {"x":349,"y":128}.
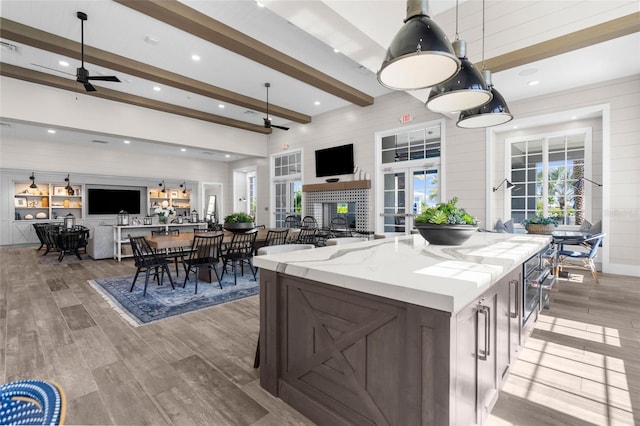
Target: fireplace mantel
{"x":337,"y":186}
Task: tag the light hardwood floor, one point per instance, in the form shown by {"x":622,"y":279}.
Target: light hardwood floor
{"x":581,"y":366}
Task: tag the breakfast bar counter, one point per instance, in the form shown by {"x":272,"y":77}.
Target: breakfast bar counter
{"x":393,"y":331}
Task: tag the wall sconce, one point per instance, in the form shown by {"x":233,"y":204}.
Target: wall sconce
{"x":163,"y":186}
{"x":33,"y":181}
{"x":183,"y":185}
{"x":69,"y":189}
{"x":578,"y":184}
{"x":509,"y":185}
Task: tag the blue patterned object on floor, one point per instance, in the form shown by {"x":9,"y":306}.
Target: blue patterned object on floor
{"x":162,"y":302}
{"x":30,"y":402}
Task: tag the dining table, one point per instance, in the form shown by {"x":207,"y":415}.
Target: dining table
{"x":185,"y":240}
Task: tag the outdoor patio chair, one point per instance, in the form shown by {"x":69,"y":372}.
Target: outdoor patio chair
{"x":147,"y":260}
{"x":204,"y":254}
{"x":587,"y":255}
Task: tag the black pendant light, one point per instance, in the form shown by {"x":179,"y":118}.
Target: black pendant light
{"x":420,"y":54}
{"x":33,"y":181}
{"x":490,"y":114}
{"x":465,"y":90}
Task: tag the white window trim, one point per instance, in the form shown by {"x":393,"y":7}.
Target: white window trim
{"x":273,"y":179}
{"x":588,"y":158}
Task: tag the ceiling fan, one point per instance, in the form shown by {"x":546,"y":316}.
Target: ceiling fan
{"x":267,"y":119}
{"x":82,"y":74}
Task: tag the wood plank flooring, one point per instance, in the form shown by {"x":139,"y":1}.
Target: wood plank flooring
{"x":581,"y":366}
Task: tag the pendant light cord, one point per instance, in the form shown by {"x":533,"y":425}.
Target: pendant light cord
{"x":457,"y":37}
{"x":483,"y":66}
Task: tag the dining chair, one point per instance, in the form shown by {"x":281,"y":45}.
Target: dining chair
{"x":40,"y":229}
{"x":339,"y":228}
{"x":239,"y":252}
{"x":71,"y":242}
{"x":205,"y":253}
{"x":276,"y":237}
{"x":292,"y":221}
{"x":147,"y":260}
{"x":587,"y":255}
{"x":309,"y":222}
{"x":306,"y":236}
{"x":173,"y":255}
{"x":50,"y":234}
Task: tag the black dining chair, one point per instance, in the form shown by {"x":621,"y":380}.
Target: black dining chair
{"x":307,"y":236}
{"x":239,"y":252}
{"x":276,"y":237}
{"x":204,"y":254}
{"x":292,"y":221}
{"x":71,"y":242}
{"x":173,"y":255}
{"x":147,"y":261}
{"x":339,"y":228}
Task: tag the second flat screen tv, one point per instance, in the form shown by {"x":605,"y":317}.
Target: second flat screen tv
{"x":337,"y":160}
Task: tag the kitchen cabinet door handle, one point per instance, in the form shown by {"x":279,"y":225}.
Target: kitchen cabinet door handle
{"x":516,"y":286}
{"x":485,"y":312}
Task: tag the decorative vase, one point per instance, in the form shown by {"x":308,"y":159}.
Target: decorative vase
{"x":163,"y":219}
{"x":445,"y":234}
{"x":238,"y":227}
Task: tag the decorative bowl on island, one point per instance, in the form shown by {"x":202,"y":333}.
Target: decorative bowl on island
{"x":445,"y":224}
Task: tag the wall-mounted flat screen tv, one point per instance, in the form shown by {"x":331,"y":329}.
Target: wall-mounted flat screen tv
{"x":112,"y":201}
{"x":337,"y":160}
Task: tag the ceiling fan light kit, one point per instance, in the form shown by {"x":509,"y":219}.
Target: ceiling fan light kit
{"x":420,"y":54}
{"x":82,"y":74}
{"x":466,"y":90}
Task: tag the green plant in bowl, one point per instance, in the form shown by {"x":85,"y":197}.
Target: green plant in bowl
{"x":539,"y":224}
{"x":238,"y":218}
{"x":446,"y":224}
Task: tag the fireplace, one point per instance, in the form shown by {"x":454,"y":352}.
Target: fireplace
{"x":323,"y":203}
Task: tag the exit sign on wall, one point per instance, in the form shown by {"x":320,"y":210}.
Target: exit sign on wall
{"x":405,"y":118}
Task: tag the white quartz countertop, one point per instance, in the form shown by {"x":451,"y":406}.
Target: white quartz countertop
{"x":411,"y":270}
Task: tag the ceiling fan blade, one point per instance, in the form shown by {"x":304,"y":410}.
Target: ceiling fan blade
{"x":89,"y":87}
{"x":105,"y":78}
{"x":280,"y":127}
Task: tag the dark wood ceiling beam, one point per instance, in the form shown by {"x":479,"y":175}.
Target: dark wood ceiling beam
{"x":606,"y":31}
{"x":38,"y":77}
{"x":200,"y":25}
{"x":34,"y":37}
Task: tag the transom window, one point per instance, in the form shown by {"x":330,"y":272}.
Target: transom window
{"x":546,"y":172}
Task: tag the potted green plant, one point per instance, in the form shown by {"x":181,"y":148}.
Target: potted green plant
{"x":539,"y":225}
{"x":238,"y":222}
{"x":446,"y":224}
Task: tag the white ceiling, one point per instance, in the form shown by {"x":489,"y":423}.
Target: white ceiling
{"x":309,"y":30}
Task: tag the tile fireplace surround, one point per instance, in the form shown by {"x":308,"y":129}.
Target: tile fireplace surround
{"x":358,"y":192}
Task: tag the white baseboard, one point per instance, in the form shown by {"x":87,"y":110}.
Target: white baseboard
{"x":622,"y":269}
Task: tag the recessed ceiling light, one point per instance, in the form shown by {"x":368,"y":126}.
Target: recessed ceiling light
{"x":156,"y":88}
{"x":316,"y":103}
{"x":574,"y":117}
{"x":336,"y":50}
{"x":63,"y":63}
{"x":51,"y":131}
{"x":259,"y":4}
{"x":195,"y":57}
{"x":227,"y":156}
{"x":127,"y":142}
{"x":515,"y":127}
{"x":220,"y":106}
{"x":533,"y":82}
{"x":183,"y":149}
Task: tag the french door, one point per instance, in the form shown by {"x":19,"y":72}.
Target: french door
{"x":406,"y":192}
{"x":288,"y":200}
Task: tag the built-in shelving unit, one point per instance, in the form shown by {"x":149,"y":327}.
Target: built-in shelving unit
{"x":49,"y":201}
{"x":178,"y":198}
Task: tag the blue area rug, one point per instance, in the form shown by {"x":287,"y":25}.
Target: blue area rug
{"x":163,"y":302}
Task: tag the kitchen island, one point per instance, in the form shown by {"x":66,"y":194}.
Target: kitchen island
{"x":393,"y":331}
